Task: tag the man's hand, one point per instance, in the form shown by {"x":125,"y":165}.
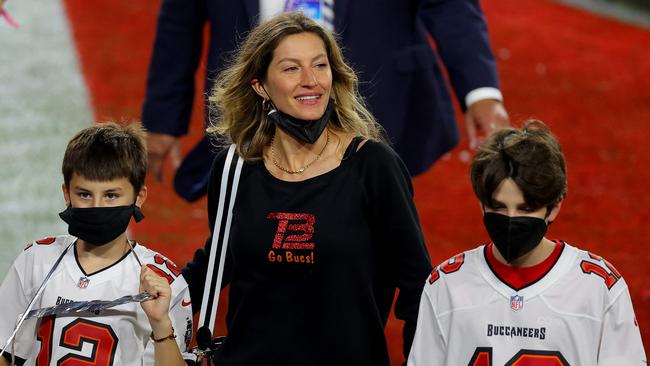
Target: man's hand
{"x":483,"y":118}
{"x":160,"y":146}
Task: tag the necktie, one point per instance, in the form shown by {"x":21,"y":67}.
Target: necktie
{"x":321,"y":11}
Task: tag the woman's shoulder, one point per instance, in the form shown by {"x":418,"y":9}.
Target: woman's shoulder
{"x":375,"y":147}
{"x":377,"y":153}
{"x":377,"y":160}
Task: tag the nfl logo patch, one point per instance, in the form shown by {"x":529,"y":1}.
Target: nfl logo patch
{"x":83,"y":282}
{"x":516,"y":302}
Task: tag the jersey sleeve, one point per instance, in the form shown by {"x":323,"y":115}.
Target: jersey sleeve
{"x":16,"y":299}
{"x":620,"y":342}
{"x":180,"y":312}
{"x":429,"y":347}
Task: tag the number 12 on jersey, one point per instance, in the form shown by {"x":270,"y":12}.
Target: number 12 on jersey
{"x":525,"y":357}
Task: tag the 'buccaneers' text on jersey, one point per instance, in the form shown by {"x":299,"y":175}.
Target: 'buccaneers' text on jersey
{"x":578,"y":313}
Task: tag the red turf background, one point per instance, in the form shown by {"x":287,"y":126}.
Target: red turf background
{"x":586,"y":76}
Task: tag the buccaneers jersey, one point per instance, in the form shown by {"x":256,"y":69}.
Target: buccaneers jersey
{"x":114,"y":336}
{"x":578,"y":313}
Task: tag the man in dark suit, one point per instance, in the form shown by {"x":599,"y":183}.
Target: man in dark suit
{"x":385,"y":40}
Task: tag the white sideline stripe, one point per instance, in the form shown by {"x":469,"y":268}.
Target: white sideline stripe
{"x":621,"y":11}
{"x":43,"y":102}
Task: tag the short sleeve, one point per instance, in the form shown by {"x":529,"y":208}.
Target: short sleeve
{"x":180,"y":313}
{"x":428,"y":343}
{"x":16,"y":300}
{"x":620,"y":342}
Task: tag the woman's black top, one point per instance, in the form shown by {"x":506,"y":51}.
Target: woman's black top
{"x":313,"y":265}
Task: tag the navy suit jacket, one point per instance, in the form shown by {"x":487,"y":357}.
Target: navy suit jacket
{"x":384,"y":40}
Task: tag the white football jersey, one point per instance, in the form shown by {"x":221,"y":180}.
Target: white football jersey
{"x":579,"y":313}
{"x":115,"y":336}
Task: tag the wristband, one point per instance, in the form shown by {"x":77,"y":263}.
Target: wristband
{"x":171,"y":336}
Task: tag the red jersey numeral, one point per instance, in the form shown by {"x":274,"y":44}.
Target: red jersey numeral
{"x":46,"y":241}
{"x":609,"y":265}
{"x":453,"y":264}
{"x":482,"y":357}
{"x":159,"y":259}
{"x":73,"y":336}
{"x":45,"y":331}
{"x":450,"y":266}
{"x":526,"y":357}
{"x":603,"y":269}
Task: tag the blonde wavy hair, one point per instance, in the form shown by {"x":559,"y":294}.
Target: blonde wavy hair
{"x":237,"y":114}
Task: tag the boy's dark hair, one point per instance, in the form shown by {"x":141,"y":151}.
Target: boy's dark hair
{"x":107,"y":151}
{"x":531,"y":156}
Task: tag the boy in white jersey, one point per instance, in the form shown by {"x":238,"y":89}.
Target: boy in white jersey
{"x":104,"y":169}
{"x":523,"y":299}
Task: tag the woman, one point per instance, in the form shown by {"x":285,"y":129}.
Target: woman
{"x":324,"y":225}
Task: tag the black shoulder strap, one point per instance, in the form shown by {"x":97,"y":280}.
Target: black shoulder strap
{"x":228,"y":191}
{"x":352,"y":147}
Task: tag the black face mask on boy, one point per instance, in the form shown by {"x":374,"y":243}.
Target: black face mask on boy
{"x":514,"y":236}
{"x":99,"y":225}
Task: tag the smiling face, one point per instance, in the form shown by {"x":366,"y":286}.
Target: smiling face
{"x":299,"y":78}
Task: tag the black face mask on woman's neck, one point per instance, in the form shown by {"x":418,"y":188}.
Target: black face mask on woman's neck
{"x":99,"y":225}
{"x":307,"y":131}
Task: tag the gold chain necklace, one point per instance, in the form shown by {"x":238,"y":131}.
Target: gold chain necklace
{"x":277,"y":164}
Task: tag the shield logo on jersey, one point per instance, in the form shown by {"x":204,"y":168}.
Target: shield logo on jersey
{"x":83,"y":282}
{"x":516,"y":302}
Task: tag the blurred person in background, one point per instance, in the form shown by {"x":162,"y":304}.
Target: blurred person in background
{"x":388,"y":43}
